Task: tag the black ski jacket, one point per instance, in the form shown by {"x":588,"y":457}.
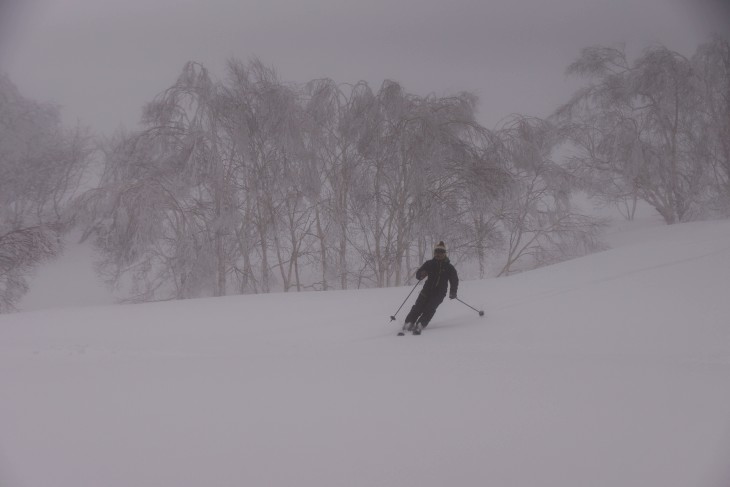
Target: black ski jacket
{"x":439,"y":274}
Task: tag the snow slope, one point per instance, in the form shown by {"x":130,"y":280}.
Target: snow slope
{"x":609,"y":370}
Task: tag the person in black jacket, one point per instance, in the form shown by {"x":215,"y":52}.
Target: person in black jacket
{"x":439,"y":273}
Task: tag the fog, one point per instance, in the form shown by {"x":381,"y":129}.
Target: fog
{"x":102,"y":60}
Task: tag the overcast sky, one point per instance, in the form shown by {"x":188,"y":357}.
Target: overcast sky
{"x":101,"y":60}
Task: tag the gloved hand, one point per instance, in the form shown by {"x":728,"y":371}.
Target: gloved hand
{"x":422,"y":275}
{"x":452,"y":296}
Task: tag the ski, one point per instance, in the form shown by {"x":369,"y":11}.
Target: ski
{"x":415,"y":330}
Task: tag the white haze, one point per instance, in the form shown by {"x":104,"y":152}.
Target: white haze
{"x":102,"y":60}
{"x":609,"y":370}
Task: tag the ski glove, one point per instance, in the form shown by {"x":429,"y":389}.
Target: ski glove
{"x":422,"y":275}
{"x":452,"y":296}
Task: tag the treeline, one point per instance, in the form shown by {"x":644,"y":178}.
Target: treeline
{"x":253,"y":185}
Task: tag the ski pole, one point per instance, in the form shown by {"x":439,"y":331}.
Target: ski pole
{"x":392,"y":318}
{"x":481,"y":313}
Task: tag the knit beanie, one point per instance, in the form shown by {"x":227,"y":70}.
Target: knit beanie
{"x":440,"y":246}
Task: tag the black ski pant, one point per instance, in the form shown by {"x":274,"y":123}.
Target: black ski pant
{"x":425,"y":308}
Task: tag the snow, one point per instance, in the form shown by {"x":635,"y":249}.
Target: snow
{"x":609,"y":370}
{"x":69,"y":281}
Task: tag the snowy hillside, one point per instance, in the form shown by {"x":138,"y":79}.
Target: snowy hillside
{"x":610,"y":370}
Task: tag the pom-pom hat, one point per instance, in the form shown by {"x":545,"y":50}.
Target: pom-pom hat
{"x":440,"y":248}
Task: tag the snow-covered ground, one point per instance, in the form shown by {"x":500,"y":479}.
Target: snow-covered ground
{"x":67,"y":281}
{"x":609,"y":370}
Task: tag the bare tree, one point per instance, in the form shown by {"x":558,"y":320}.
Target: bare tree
{"x":635,"y":127}
{"x":418,"y":153}
{"x":535,"y":212}
{"x":41,"y":166}
{"x":338,"y":117}
{"x":266,"y":123}
{"x":484,"y":179}
{"x":20,"y":252}
{"x":267,"y":185}
{"x":164,"y":207}
{"x":711,"y":64}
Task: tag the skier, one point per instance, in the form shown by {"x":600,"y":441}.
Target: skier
{"x":439,"y":273}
